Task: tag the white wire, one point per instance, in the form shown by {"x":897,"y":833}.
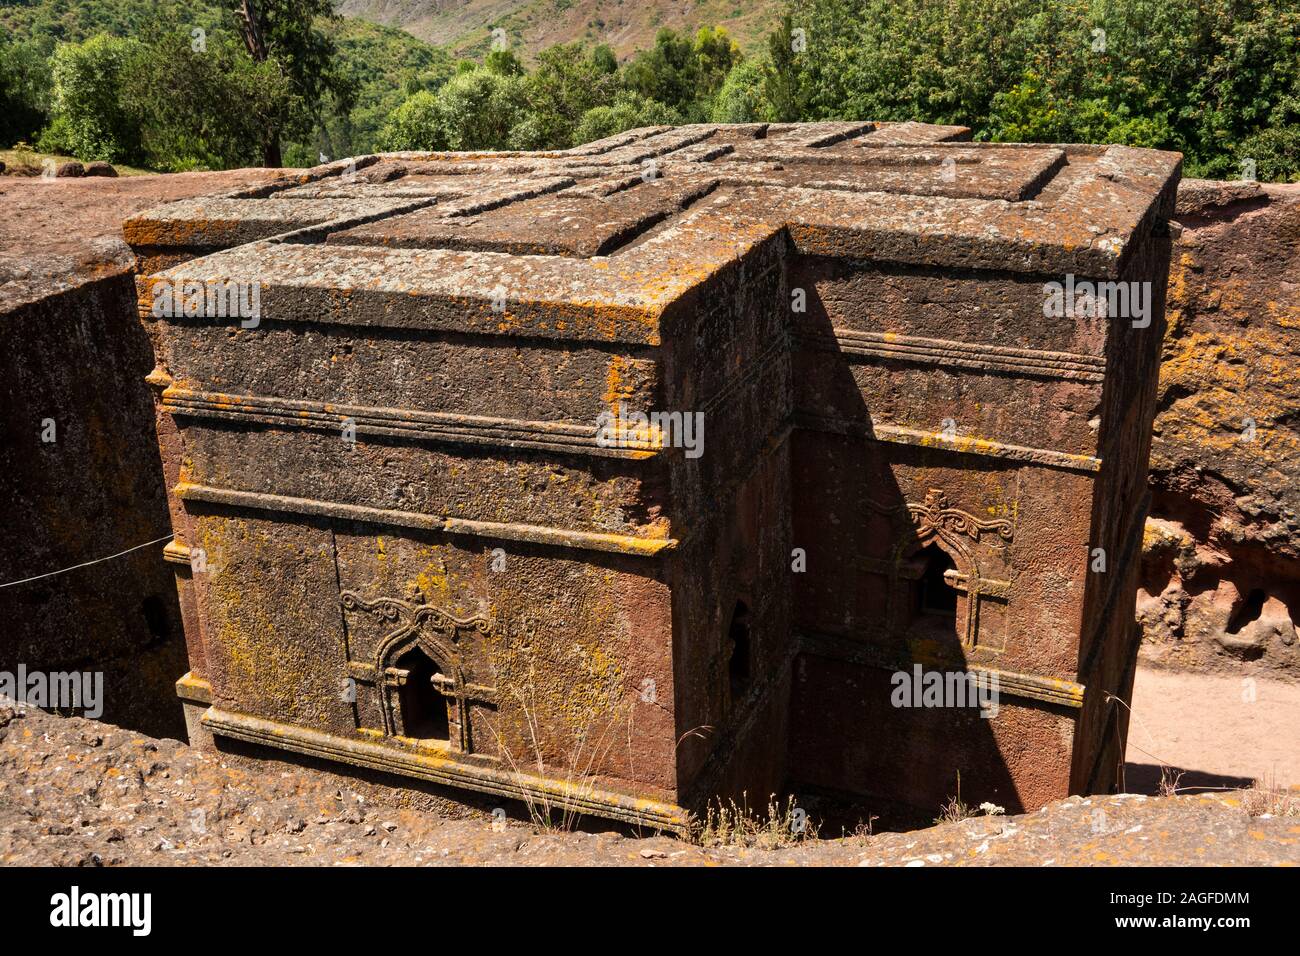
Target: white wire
{"x":85,"y":564}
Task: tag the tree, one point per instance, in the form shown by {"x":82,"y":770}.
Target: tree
{"x":416,"y":124}
{"x":715,"y":55}
{"x":667,"y":72}
{"x":503,"y":62}
{"x":477,"y":110}
{"x":88,"y":117}
{"x":563,"y":86}
{"x":202,"y":106}
{"x":629,"y":111}
{"x":603,"y":58}
{"x":473,"y":110}
{"x":1218,"y":80}
{"x":24,"y":82}
{"x":283,"y":33}
{"x":741,"y":98}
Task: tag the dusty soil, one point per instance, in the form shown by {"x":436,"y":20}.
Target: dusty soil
{"x":80,"y":792}
{"x":1217,"y":731}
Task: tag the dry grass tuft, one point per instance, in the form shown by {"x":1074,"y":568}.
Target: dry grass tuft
{"x":733,"y":824}
{"x":1266,"y":798}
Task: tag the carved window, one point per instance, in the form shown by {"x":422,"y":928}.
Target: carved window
{"x":417,"y":682}
{"x":421,"y":704}
{"x":934,"y":592}
{"x":934,"y":576}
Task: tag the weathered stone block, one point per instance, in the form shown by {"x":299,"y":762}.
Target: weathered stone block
{"x":447,"y":546}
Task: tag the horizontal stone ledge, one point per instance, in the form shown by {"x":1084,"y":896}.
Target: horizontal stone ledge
{"x":1046,"y":457}
{"x":950,"y":353}
{"x":433,"y":290}
{"x":448,"y":770}
{"x":194,"y":689}
{"x":1048,"y":690}
{"x":440,"y":427}
{"x":532,"y":534}
{"x":219,"y":222}
{"x":176,"y":553}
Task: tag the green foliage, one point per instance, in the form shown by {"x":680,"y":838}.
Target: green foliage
{"x":323,"y":100}
{"x":603,"y":58}
{"x":91,"y":121}
{"x":741,"y":99}
{"x":285,"y":34}
{"x":205,"y":107}
{"x":386,"y":67}
{"x":476,"y":109}
{"x":683,"y":72}
{"x":1218,"y":80}
{"x":24,"y":90}
{"x":503,"y":63}
{"x":563,"y":85}
{"x":416,"y":124}
{"x":628,"y":111}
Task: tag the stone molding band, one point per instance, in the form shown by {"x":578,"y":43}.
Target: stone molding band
{"x":896,"y":434}
{"x":448,"y":427}
{"x":949,"y":353}
{"x":509,"y":531}
{"x":1049,"y":690}
{"x":446,"y":770}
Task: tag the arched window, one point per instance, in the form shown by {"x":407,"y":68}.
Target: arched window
{"x":936,"y":597}
{"x":423,"y":707}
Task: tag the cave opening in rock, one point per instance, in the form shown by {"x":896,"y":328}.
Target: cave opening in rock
{"x":1247,"y":612}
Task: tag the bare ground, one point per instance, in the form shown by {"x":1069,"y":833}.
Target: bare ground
{"x":80,"y":792}
{"x":1214,"y":730}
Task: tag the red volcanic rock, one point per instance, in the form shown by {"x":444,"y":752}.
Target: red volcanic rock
{"x":668,"y":457}
{"x":1221,"y":575}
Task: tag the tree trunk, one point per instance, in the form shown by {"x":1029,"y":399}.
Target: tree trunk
{"x":250,"y":27}
{"x":272,"y":153}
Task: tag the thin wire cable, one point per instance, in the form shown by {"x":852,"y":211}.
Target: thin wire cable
{"x":86,"y":564}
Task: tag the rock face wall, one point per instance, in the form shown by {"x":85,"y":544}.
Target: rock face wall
{"x":1221,"y":566}
{"x":436,"y":539}
{"x":79,"y":471}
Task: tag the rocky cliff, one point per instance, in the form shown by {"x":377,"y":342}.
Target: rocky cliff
{"x":1221,"y":569}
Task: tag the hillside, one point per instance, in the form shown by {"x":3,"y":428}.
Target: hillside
{"x":385,"y":61}
{"x":464,"y":26}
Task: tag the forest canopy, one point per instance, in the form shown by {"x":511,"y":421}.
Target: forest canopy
{"x":186,"y":85}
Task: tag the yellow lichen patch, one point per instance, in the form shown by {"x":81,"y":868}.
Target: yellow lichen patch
{"x":617,"y":387}
{"x":1236,"y":386}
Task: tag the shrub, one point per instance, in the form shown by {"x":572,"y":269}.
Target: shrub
{"x":628,"y":111}
{"x":89,"y":118}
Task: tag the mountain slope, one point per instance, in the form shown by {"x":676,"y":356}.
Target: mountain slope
{"x":626,"y":25}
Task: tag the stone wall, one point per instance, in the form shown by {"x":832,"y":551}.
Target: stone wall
{"x":1221,"y":569}
{"x":79,"y":470}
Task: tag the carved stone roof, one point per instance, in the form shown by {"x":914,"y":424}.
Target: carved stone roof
{"x":594,"y":243}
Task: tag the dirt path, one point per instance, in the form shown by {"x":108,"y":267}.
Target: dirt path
{"x":1219,"y":731}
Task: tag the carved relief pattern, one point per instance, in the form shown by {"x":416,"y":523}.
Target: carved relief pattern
{"x":439,"y":634}
{"x":936,"y":517}
{"x":936,"y":514}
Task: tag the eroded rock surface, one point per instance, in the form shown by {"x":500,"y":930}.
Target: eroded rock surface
{"x":79,"y":792}
{"x":1221,"y":569}
{"x":79,"y":470}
